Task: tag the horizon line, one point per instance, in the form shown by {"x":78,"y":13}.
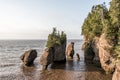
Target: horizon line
{"x":41,"y":39}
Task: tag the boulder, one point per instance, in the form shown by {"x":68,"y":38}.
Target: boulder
{"x":28,"y":57}
{"x":70,"y":50}
{"x":47,"y":57}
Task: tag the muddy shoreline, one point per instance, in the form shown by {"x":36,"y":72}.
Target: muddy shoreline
{"x":71,"y":70}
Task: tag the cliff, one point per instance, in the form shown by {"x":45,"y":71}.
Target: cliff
{"x":116,"y":75}
{"x":101,"y":30}
{"x":107,"y":61}
{"x":97,"y":52}
{"x":100,"y":54}
{"x":91,"y":51}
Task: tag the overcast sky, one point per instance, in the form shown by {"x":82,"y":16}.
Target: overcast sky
{"x":34,"y":19}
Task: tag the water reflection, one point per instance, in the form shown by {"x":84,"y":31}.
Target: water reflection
{"x":10,"y":68}
{"x":71,"y":65}
{"x":30,"y":73}
{"x":71,"y":70}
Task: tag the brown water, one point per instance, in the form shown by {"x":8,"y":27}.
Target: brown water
{"x":11,"y":67}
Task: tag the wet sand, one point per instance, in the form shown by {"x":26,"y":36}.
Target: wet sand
{"x":71,"y":70}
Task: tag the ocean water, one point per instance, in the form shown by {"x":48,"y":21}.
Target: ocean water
{"x":11,"y":50}
{"x":11,"y":67}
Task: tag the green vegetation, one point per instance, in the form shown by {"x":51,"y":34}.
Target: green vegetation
{"x":114,"y":28}
{"x":101,"y":20}
{"x":93,"y":24}
{"x":55,"y":38}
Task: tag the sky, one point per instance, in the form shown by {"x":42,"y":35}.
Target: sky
{"x":34,"y":19}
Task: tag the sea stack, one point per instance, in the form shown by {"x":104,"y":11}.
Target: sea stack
{"x":47,"y":57}
{"x":56,"y":46}
{"x":28,"y":57}
{"x":70,"y":50}
{"x":77,"y":56}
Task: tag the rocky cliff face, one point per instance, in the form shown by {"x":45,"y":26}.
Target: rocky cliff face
{"x":95,"y":47}
{"x":116,"y":75}
{"x":106,"y":60}
{"x":99,"y":48}
{"x":91,"y":50}
{"x":97,"y":53}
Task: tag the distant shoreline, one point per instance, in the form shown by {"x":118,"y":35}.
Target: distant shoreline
{"x":30,"y":39}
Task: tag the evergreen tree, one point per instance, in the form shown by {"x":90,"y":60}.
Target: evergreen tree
{"x":55,"y":38}
{"x":100,"y":20}
{"x":93,"y":24}
{"x":114,"y":28}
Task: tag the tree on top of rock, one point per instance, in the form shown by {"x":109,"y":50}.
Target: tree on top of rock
{"x":93,"y":24}
{"x":55,"y":38}
{"x":113,"y":31}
